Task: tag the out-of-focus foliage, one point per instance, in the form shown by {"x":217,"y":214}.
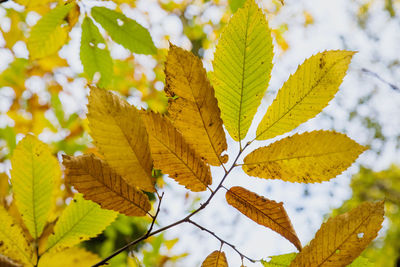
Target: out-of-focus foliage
{"x":368,"y":185}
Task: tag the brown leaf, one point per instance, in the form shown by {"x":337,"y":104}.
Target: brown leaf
{"x":195,"y":111}
{"x":98,"y":182}
{"x":215,"y":259}
{"x":173,"y":155}
{"x":341,"y":240}
{"x":263,"y":211}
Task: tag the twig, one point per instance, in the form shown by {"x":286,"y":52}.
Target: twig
{"x":371,"y":73}
{"x":183,"y":220}
{"x":221,"y":240}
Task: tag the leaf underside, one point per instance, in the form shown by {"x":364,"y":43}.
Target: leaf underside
{"x":195,"y":111}
{"x":263,"y":211}
{"x":174,"y":156}
{"x":98,"y":182}
{"x":81,"y":220}
{"x":342,"y":239}
{"x":120,"y":134}
{"x":311,"y":157}
{"x":34,"y":170}
{"x":306,"y":93}
{"x":215,"y":259}
{"x":242,"y":68}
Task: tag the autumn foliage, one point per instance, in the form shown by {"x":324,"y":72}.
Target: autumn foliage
{"x":183,"y":143}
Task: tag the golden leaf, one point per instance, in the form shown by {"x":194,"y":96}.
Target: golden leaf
{"x":263,"y":211}
{"x":75,"y":256}
{"x":342,"y":239}
{"x":305,"y":158}
{"x":195,"y":112}
{"x":173,"y":155}
{"x":119,"y":133}
{"x":215,"y":259}
{"x":305,"y":93}
{"x":96,"y":180}
{"x":13,"y":243}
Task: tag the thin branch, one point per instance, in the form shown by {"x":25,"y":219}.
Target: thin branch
{"x":221,"y":240}
{"x":183,"y":220}
{"x":374,"y":74}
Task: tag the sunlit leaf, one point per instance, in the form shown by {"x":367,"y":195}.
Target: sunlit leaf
{"x":341,"y":239}
{"x":94,"y":54}
{"x":305,"y":158}
{"x":242,"y":68}
{"x":76,"y":257}
{"x":33,"y":172}
{"x":50,"y":33}
{"x":263,"y":211}
{"x":305,"y":93}
{"x":194,"y":110}
{"x":215,"y":259}
{"x":279,"y":260}
{"x":81,"y":220}
{"x":13,"y":242}
{"x":124,"y":30}
{"x":95,"y":179}
{"x":119,"y":133}
{"x":174,"y":156}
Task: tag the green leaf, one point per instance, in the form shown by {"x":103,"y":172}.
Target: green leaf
{"x":305,"y":93}
{"x":81,"y":220}
{"x":8,"y":134}
{"x":94,"y":54}
{"x":33,"y":172}
{"x":280,"y":260}
{"x":236,"y":4}
{"x":13,"y":242}
{"x":242,"y":68}
{"x":125,"y":31}
{"x":50,"y":33}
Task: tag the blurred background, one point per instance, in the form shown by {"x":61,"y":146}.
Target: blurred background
{"x":48,"y":98}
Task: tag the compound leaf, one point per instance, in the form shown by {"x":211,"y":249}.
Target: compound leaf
{"x":120,"y":134}
{"x":173,"y":155}
{"x":50,"y":33}
{"x":94,"y":54}
{"x":76,"y":257}
{"x":13,"y":242}
{"x":263,"y":211}
{"x":242,"y":68}
{"x":305,"y":158}
{"x":305,"y":93}
{"x":97,"y":181}
{"x":124,"y":30}
{"x":215,"y":259}
{"x":81,"y":220}
{"x":34,"y":170}
{"x":195,"y":111}
{"x":341,"y":239}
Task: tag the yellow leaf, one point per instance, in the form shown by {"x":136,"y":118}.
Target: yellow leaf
{"x":119,"y":133}
{"x":50,"y":33}
{"x":304,"y":158}
{"x":195,"y":112}
{"x":33,"y":172}
{"x":76,"y":257}
{"x":96,"y":180}
{"x":215,"y":259}
{"x":4,"y":188}
{"x":12,"y":240}
{"x":173,"y":155}
{"x":242,"y":68}
{"x":341,"y":240}
{"x":305,"y":93}
{"x":263,"y":211}
{"x":7,"y":262}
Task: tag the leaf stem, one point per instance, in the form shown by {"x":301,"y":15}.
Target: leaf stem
{"x":221,"y":240}
{"x":183,"y":220}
